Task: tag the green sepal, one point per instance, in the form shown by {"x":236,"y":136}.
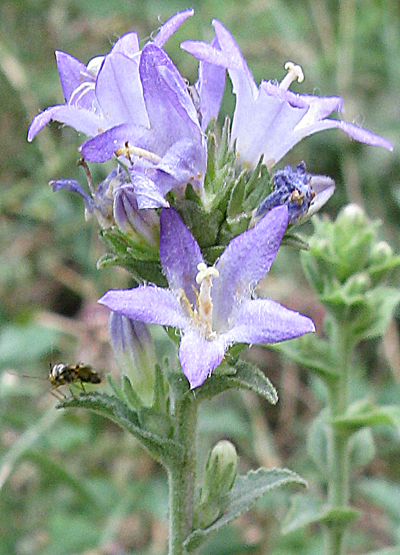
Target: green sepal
{"x":367,"y":313}
{"x":142,"y":271}
{"x":243,"y":376}
{"x":155,"y":421}
{"x":165,"y":450}
{"x":160,"y":398}
{"x":130,"y":395}
{"x":203,"y":225}
{"x":379,"y":271}
{"x":233,"y":227}
{"x":246,"y":491}
{"x":116,"y":388}
{"x":258,"y":186}
{"x":117,"y":241}
{"x":307,"y":509}
{"x":309,"y":351}
{"x":296,"y":241}
{"x":364,"y":413}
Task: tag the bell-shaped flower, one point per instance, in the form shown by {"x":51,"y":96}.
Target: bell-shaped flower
{"x":107,"y":92}
{"x":213,"y":306}
{"x":171,"y":150}
{"x":270,"y":119}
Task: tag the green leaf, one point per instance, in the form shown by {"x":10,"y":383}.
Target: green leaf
{"x":383,"y":493}
{"x":317,"y":442}
{"x":365,"y":413}
{"x":307,"y":509}
{"x":311,"y":352}
{"x":163,"y":449}
{"x":246,"y":491}
{"x":381,"y":302}
{"x":243,"y":375}
{"x":361,"y":445}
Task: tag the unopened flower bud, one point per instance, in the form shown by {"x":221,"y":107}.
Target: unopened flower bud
{"x":381,"y":252}
{"x":141,"y":225}
{"x":134,"y":353}
{"x":352,"y":215}
{"x":219,"y":477}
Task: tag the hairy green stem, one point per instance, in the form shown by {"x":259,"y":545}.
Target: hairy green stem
{"x":182,"y":477}
{"x":338,"y":445}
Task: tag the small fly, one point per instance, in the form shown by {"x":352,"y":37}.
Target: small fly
{"x":67,"y":374}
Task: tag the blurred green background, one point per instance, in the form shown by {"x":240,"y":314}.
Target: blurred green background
{"x":72,"y":483}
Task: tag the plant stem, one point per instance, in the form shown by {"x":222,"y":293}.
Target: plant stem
{"x":182,"y":476}
{"x":338,"y":452}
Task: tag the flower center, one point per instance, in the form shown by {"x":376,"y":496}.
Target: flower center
{"x":294,"y":72}
{"x":202,"y":315}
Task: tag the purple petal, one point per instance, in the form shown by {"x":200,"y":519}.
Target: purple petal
{"x":127,"y":44}
{"x":211,"y":85}
{"x":80,"y":119}
{"x":245,"y":261}
{"x":71,"y":71}
{"x":186,"y":162}
{"x":74,"y":187}
{"x":147,"y":192}
{"x":119,"y":91}
{"x":148,"y":304}
{"x":266,"y":321}
{"x":168,"y":28}
{"x":264,"y":124}
{"x":179,"y":253}
{"x":199,"y":357}
{"x":169,"y":106}
{"x":103,"y":146}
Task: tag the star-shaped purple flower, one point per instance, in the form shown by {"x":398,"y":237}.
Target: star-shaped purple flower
{"x":213,"y":306}
{"x":270,"y":119}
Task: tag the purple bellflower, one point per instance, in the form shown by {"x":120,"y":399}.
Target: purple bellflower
{"x":213,"y":306}
{"x":270,"y":120}
{"x":136,"y":105}
{"x":107,"y":92}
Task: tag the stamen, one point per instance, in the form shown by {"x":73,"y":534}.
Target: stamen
{"x":294,"y":72}
{"x":82,"y":162}
{"x":127,"y":150}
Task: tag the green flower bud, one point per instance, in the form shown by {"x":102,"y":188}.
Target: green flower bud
{"x":134,"y":352}
{"x":380,"y":253}
{"x":219,"y":477}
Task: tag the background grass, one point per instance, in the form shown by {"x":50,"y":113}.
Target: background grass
{"x":72,"y":482}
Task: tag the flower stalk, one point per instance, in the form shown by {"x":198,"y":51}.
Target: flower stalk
{"x":338,"y":440}
{"x":182,"y":476}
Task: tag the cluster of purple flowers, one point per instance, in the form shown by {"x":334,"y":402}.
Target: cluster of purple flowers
{"x":134,"y":105}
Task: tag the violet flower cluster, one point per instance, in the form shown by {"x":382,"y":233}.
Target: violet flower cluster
{"x":135,"y":106}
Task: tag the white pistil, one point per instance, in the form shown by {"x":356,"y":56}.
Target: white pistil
{"x":127,"y":150}
{"x":203,"y":313}
{"x":294,"y":72}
